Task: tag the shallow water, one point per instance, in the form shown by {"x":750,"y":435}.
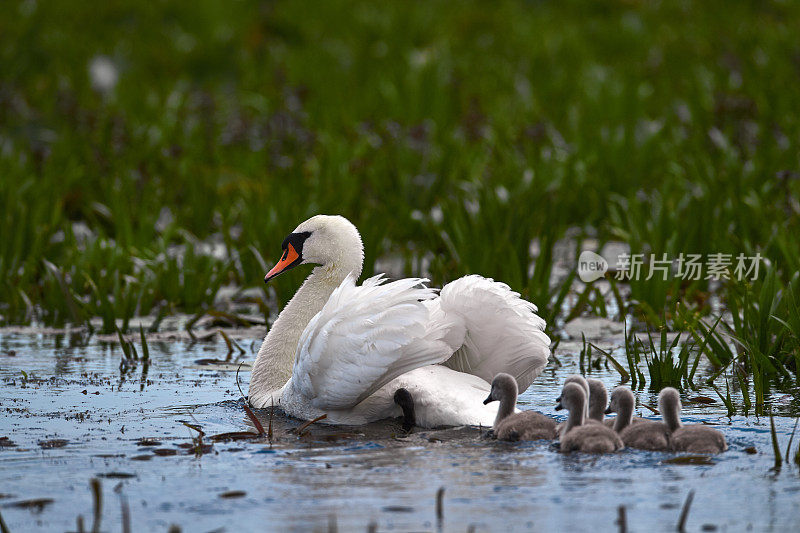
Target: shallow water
{"x":350,"y":476}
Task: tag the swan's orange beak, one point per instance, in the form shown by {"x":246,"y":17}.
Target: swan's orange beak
{"x":289,"y":259}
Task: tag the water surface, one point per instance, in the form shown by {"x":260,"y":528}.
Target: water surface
{"x":51,"y":392}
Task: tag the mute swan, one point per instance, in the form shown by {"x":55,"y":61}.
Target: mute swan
{"x":508,"y":425}
{"x":342,"y":350}
{"x":648,"y":435}
{"x":581,"y":437}
{"x":695,"y":438}
{"x":403,"y":398}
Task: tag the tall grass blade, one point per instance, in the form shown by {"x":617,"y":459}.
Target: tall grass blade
{"x":775,"y":447}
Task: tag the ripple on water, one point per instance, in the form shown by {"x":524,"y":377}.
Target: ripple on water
{"x":359,"y":475}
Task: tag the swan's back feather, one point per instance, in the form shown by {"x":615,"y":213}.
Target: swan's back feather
{"x":365,"y":336}
{"x":649,"y":435}
{"x":527,"y":425}
{"x":503,"y":331}
{"x":591,"y":438}
{"x":697,"y":438}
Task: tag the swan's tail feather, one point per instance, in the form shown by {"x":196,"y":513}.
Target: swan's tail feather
{"x":503,"y":333}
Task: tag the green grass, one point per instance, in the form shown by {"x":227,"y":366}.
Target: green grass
{"x":452,"y":136}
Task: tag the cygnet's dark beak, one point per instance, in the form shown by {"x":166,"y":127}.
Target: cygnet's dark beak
{"x":488,"y":400}
{"x":558,"y":405}
{"x":609,"y":410}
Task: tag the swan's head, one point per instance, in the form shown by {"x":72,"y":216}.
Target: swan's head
{"x":329,"y":241}
{"x":578,"y":380}
{"x":669,"y":400}
{"x":573,"y":398}
{"x":404,"y":399}
{"x":503,"y":386}
{"x":597,"y":391}
{"x":622,"y":400}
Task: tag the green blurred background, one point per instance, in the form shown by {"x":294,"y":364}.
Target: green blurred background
{"x":153,"y":152}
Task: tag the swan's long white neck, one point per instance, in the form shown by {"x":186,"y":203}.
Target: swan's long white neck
{"x":273,"y":366}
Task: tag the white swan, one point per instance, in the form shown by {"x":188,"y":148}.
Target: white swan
{"x":343,"y":350}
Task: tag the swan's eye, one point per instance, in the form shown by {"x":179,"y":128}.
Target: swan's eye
{"x":285,"y":254}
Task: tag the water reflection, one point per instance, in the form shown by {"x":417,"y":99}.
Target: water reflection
{"x":358,"y":475}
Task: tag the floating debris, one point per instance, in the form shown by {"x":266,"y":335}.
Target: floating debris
{"x":685,"y":511}
{"x":689,"y":460}
{"x":164,"y":452}
{"x":117,"y":475}
{"x":53,"y":443}
{"x":233,"y":494}
{"x":36,"y":505}
{"x":235,"y":435}
{"x":701,"y":399}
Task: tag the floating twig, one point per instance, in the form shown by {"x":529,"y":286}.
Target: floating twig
{"x":271,"y":413}
{"x":440,"y":507}
{"x":651,"y":408}
{"x":3,"y":526}
{"x":97,"y":493}
{"x":247,"y":409}
{"x":685,"y":511}
{"x":192,"y":322}
{"x":125,"y":513}
{"x":254,"y":419}
{"x":228,"y":342}
{"x":195,"y":427}
{"x":238,"y":386}
{"x":304,"y":426}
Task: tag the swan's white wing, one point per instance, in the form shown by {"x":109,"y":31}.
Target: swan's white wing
{"x":366,"y":336}
{"x":503,"y":331}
